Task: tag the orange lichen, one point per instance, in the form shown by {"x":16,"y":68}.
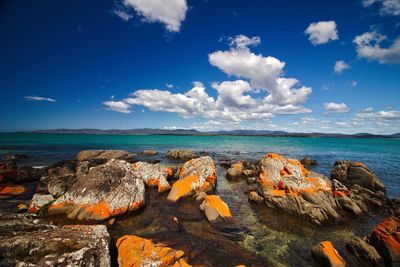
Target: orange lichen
{"x":331,"y":253}
{"x":134,"y":251}
{"x":220,"y":206}
{"x":274,"y":156}
{"x":317,"y":185}
{"x":387,"y":232}
{"x":277,"y":192}
{"x":238,"y":166}
{"x":182,"y":187}
{"x":265,"y":181}
{"x":339,"y":193}
{"x":169,"y":171}
{"x":11,"y":190}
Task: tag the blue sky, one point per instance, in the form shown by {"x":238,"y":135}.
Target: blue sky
{"x":324,"y":66}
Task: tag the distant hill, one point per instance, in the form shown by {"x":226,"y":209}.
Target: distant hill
{"x":149,"y":131}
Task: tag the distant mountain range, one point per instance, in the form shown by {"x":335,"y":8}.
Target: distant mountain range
{"x":148,"y":131}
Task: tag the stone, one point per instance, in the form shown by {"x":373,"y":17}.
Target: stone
{"x":352,"y":173}
{"x":181,"y":154}
{"x":255,"y":197}
{"x":9,"y":190}
{"x":7,"y":173}
{"x":106,"y":191}
{"x":364,"y":252}
{"x":215,"y":209}
{"x":22,"y":207}
{"x":150,"y":152}
{"x":105,"y":155}
{"x":235,"y":171}
{"x":134,"y":251}
{"x":309,"y":161}
{"x":201,"y":195}
{"x":29,"y":174}
{"x":60,"y":177}
{"x":153,"y":175}
{"x":27,"y":241}
{"x":39,"y":201}
{"x":326,"y":255}
{"x":195,"y":175}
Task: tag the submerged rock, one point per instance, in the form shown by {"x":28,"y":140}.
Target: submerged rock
{"x":309,"y":161}
{"x":134,"y":251}
{"x":364,"y":252}
{"x":153,"y":175}
{"x":105,"y":191}
{"x":195,"y":175}
{"x":326,"y":255}
{"x":26,"y":241}
{"x":181,"y":154}
{"x":150,"y":152}
{"x":105,"y":155}
{"x":215,"y":209}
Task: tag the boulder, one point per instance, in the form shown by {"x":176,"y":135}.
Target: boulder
{"x":134,"y":251}
{"x":195,"y":175}
{"x":153,"y":175}
{"x":352,"y":173}
{"x":235,"y":171}
{"x":103,"y":192}
{"x":39,"y":201}
{"x":326,"y":255}
{"x":181,"y":154}
{"x":105,"y":155}
{"x":60,"y":177}
{"x":29,"y":174}
{"x":309,"y":161}
{"x":26,"y":241}
{"x":150,"y":152}
{"x":215,"y":209}
{"x":364,"y":253}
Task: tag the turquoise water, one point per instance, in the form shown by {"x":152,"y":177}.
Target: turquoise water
{"x":381,"y":155}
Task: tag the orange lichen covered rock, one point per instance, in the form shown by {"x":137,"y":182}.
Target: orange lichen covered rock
{"x":11,"y":190}
{"x":106,"y":191}
{"x":134,"y":251}
{"x":153,"y":175}
{"x":235,"y":171}
{"x":327,"y":255}
{"x":38,"y":201}
{"x":195,"y":175}
{"x":215,"y":208}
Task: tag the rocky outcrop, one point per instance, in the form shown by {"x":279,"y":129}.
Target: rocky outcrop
{"x":153,"y":175}
{"x":352,"y":173}
{"x":364,"y":253}
{"x":195,"y":175}
{"x":308,"y":161}
{"x":181,"y":154}
{"x":215,"y":209}
{"x":134,"y":251}
{"x":26,"y":241}
{"x":105,"y":155}
{"x":326,"y":255}
{"x":104,"y":191}
{"x":39,"y":201}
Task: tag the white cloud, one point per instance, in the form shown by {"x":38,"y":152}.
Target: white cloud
{"x":340,"y":66}
{"x":242,"y":41}
{"x":124,"y":15}
{"x":39,"y":98}
{"x":354,"y":83}
{"x":171,"y":13}
{"x":322,"y":32}
{"x":369,"y":47}
{"x":335,"y":107}
{"x":387,"y":7}
{"x":370,"y":114}
{"x":169,"y":85}
{"x":118,"y":106}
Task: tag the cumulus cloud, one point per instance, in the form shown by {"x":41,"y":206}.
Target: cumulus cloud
{"x":368,"y":45}
{"x":124,"y":15}
{"x":335,"y":107}
{"x":382,"y":115}
{"x":39,"y":98}
{"x":169,"y":85}
{"x":171,"y":13}
{"x":340,"y":66}
{"x":322,"y":32}
{"x":386,"y":7}
{"x":118,"y":106}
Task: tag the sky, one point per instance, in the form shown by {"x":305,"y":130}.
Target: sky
{"x":296,"y":66}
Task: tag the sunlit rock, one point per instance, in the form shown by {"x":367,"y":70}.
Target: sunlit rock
{"x":325,"y":254}
{"x":215,"y":208}
{"x":153,"y":175}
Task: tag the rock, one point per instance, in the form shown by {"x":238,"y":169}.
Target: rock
{"x":351,"y":173}
{"x":15,"y":157}
{"x":235,"y":171}
{"x":251,"y":180}
{"x":385,"y":237}
{"x":22,"y":207}
{"x":249,"y":173}
{"x":215,"y":208}
{"x":105,"y":155}
{"x":134,"y":251}
{"x":309,"y":161}
{"x":153,"y":175}
{"x":326,"y":255}
{"x":61,"y":176}
{"x":202,"y":195}
{"x":195,"y":175}
{"x":9,"y":191}
{"x":254,"y":196}
{"x":26,"y":241}
{"x":39,"y":201}
{"x":150,"y":152}
{"x":7,"y":173}
{"x":105,"y":191}
{"x":364,"y":253}
{"x":181,"y":154}
{"x":29,"y":174}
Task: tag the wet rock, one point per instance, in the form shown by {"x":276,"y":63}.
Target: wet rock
{"x":153,"y":175}
{"x":150,"y":152}
{"x":181,"y":154}
{"x":195,"y":175}
{"x":105,"y":155}
{"x":105,"y":191}
{"x":235,"y":171}
{"x":326,"y":255}
{"x":385,"y":237}
{"x":134,"y":251}
{"x":352,"y":173}
{"x":215,"y":209}
{"x":26,"y":241}
{"x":364,"y":252}
{"x":39,"y":201}
{"x":9,"y":191}
{"x":29,"y":174}
{"x":309,"y":161}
